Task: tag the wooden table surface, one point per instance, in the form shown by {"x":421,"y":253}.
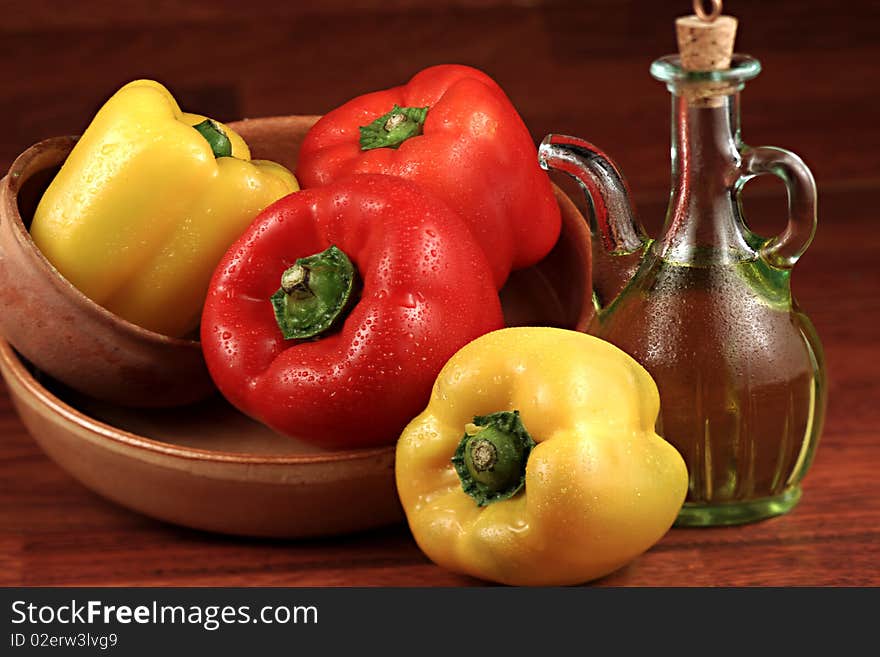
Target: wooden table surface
{"x":577,"y":67}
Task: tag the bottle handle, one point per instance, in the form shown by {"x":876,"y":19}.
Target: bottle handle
{"x":784,"y":250}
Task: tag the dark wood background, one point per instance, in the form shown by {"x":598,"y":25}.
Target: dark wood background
{"x":577,"y":67}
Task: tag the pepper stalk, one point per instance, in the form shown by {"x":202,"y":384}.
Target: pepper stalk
{"x":316,"y":293}
{"x":392,"y":129}
{"x":216,"y":137}
{"x":491,"y":458}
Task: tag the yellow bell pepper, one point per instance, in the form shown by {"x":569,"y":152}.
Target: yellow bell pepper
{"x":536,"y":460}
{"x":145,"y":206}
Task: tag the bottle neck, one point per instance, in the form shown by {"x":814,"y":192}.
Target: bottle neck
{"x":703,"y":221}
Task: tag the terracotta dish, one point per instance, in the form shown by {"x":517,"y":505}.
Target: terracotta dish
{"x":205,"y":465}
{"x":63,"y":331}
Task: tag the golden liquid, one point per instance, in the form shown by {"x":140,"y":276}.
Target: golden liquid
{"x":738,"y":367}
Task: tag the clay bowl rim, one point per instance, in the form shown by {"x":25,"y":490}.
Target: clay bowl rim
{"x":12,"y":186}
{"x":16,"y":367}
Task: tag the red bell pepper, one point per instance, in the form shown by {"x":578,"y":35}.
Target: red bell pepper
{"x":330,"y":318}
{"x":454,"y":131}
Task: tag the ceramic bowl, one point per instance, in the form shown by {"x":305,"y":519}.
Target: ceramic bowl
{"x":203,"y":466}
{"x":209,"y":467}
{"x":64,"y":332}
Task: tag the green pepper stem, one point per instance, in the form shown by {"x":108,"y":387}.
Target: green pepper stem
{"x":316,"y":293}
{"x":295,"y":282}
{"x":491,"y":457}
{"x":392,"y":129}
{"x":216,"y":138}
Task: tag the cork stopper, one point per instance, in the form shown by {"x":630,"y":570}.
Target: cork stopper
{"x":705,"y":43}
{"x":705,"y":46}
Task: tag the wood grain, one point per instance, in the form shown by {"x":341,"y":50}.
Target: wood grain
{"x":575,"y":67}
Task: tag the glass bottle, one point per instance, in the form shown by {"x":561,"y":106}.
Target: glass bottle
{"x":707,"y":307}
